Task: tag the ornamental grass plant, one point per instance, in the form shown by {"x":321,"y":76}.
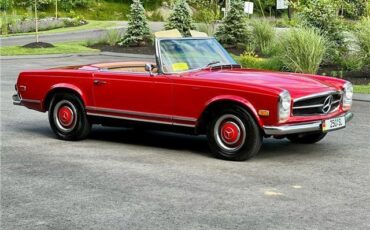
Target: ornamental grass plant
{"x":302,"y":50}
{"x":362,"y":33}
{"x":262,"y":36}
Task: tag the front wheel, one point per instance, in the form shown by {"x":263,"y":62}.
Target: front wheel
{"x":234,"y":135}
{"x":67,"y":117}
{"x":307,"y":138}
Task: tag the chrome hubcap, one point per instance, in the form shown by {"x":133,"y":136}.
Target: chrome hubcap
{"x":229,"y":132}
{"x":65,"y":116}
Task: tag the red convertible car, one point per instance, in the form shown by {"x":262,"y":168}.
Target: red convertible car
{"x":194,"y":86}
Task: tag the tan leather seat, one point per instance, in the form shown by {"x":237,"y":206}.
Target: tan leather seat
{"x":135,"y":67}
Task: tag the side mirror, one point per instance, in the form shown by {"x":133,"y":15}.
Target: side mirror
{"x":149,"y":68}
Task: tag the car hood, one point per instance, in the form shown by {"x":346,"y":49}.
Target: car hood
{"x":297,"y":84}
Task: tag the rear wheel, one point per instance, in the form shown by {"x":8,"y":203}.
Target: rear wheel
{"x":306,"y":138}
{"x":67,"y":117}
{"x":234,"y":135}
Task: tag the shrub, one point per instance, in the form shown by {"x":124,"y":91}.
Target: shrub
{"x":207,"y":20}
{"x":6,"y":4}
{"x":362,"y":33}
{"x":251,"y":60}
{"x":138,"y":33}
{"x":180,"y":18}
{"x":323,"y":15}
{"x":302,"y":50}
{"x":233,"y":28}
{"x":41,"y":4}
{"x":68,"y":5}
{"x":263,"y":35}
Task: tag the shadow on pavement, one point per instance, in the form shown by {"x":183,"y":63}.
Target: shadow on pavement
{"x":271,"y":148}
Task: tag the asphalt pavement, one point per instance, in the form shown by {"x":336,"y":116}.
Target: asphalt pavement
{"x":127,"y":179}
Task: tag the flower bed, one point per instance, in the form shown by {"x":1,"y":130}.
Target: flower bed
{"x":28,"y":25}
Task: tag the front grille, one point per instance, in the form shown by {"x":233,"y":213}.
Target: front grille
{"x":317,"y":104}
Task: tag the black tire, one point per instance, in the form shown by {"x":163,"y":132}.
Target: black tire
{"x":306,"y":138}
{"x":67,"y":117}
{"x":233,"y":134}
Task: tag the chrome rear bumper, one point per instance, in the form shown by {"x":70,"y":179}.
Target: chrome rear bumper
{"x":16,"y":99}
{"x":299,"y":128}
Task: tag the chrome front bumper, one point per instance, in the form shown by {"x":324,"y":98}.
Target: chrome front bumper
{"x":299,"y":128}
{"x":16,"y":99}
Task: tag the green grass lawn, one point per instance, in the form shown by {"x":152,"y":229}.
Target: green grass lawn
{"x":362,"y":89}
{"x":90,"y":26}
{"x":60,"y":48}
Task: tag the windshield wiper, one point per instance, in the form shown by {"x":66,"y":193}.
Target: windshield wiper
{"x":211,"y":64}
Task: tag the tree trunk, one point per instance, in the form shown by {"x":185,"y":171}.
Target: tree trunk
{"x":37,"y":23}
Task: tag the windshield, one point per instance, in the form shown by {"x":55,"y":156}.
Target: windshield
{"x":179,"y":55}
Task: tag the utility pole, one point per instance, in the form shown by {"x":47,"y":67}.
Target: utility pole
{"x":37,"y":23}
{"x":56,"y":9}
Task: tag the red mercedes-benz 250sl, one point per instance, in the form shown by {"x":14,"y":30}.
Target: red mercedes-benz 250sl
{"x":195,"y":86}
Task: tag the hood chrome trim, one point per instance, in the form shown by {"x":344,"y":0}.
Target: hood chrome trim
{"x":326,"y":93}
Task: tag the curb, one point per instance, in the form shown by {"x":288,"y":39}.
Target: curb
{"x":361,"y":97}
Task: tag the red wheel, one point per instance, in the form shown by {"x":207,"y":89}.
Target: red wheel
{"x":233,"y":134}
{"x":67,"y":117}
{"x":229,"y":131}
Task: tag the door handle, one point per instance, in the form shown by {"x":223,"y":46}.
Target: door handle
{"x":99,"y":82}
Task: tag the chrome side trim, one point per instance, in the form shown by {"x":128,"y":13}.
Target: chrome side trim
{"x":178,"y":118}
{"x":299,"y":128}
{"x":128,"y":118}
{"x":143,"y":114}
{"x":184,"y":125}
{"x":139,"y":119}
{"x":30,"y":101}
{"x":317,"y":95}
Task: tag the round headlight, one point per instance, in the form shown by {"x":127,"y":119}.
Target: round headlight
{"x":348,"y":90}
{"x":285,"y":100}
{"x":347,"y":96}
{"x":284,"y":106}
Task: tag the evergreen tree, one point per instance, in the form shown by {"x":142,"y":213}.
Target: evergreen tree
{"x":180,"y":18}
{"x":138,"y":33}
{"x":233,"y":28}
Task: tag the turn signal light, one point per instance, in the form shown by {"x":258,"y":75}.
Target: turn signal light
{"x":264,"y":113}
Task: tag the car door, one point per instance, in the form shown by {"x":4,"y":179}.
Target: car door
{"x":132,"y":96}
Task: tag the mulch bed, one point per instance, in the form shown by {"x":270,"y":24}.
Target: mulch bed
{"x":356,"y":77}
{"x":38,"y":45}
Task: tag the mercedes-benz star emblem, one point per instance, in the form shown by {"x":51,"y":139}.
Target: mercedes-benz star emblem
{"x":228,"y":133}
{"x":327,"y":104}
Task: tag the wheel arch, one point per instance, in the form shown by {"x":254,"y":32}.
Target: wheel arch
{"x":221,"y":102}
{"x":62,"y":88}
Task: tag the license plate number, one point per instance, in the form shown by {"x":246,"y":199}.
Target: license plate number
{"x":334,"y":123}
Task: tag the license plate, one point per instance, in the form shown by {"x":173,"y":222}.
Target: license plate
{"x":334,"y":123}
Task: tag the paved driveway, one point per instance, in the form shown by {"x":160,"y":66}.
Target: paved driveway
{"x":122,"y":179}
